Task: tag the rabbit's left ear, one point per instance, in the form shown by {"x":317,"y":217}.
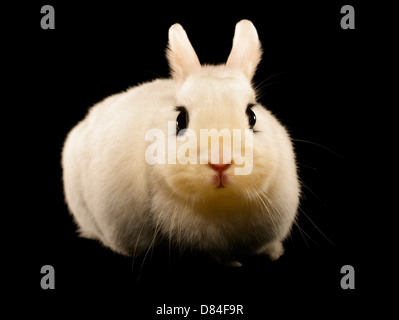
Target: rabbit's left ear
{"x":180,"y":53}
{"x":247,"y":51}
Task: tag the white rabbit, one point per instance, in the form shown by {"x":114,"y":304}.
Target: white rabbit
{"x":118,"y":197}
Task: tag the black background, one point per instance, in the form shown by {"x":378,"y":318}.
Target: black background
{"x":314,"y":76}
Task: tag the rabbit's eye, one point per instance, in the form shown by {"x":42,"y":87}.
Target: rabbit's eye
{"x":182,"y":119}
{"x":251,"y":116}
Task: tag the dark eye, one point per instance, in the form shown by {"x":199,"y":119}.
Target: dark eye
{"x":182,"y":119}
{"x":251,"y":116}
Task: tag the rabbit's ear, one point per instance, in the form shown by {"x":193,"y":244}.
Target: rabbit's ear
{"x":247,"y":51}
{"x":181,"y":56}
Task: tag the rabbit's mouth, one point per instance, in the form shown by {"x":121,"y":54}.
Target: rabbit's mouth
{"x":221,"y":183}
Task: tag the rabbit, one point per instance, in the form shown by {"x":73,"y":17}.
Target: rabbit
{"x":130,"y":203}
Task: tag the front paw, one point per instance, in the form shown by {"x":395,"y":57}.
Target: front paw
{"x":273,"y":250}
{"x":227,"y":262}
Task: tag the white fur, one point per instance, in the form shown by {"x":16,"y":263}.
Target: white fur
{"x":127,"y":204}
{"x":181,"y":55}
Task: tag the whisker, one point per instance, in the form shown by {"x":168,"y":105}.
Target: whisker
{"x":259,"y":88}
{"x":320,"y":146}
{"x":153,"y":73}
{"x":256,"y":190}
{"x":314,"y":194}
{"x":136,"y":244}
{"x":302,"y":232}
{"x":156,"y":231}
{"x":306,"y":166}
{"x":311,"y":221}
{"x":170,"y":231}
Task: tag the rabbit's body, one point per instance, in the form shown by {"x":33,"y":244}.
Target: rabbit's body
{"x":102,"y":142}
{"x":117,"y":197}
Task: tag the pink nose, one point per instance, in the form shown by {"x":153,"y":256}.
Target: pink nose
{"x":219,"y":167}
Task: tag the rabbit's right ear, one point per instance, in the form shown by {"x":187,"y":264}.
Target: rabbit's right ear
{"x":247,"y":50}
{"x":181,"y":55}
